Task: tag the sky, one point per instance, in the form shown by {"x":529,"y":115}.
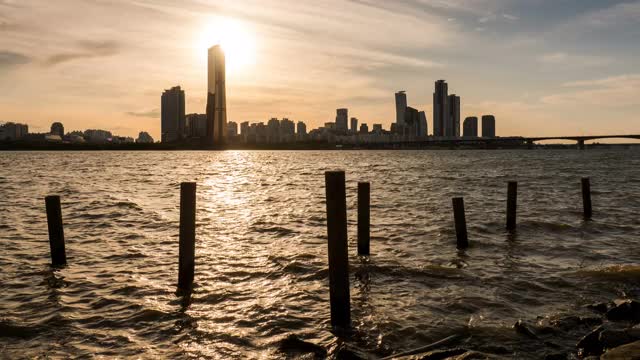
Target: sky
{"x":542,"y":67}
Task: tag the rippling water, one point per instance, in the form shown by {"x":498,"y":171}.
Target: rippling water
{"x":261,"y":258}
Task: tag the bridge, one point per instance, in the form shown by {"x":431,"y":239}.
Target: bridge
{"x":579,"y":139}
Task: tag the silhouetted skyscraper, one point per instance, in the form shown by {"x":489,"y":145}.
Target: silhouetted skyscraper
{"x":364,"y":128}
{"x":470,"y":127}
{"x":452,"y":128}
{"x":301,"y":128}
{"x":488,"y":126}
{"x":342,"y":119}
{"x":423,"y":128}
{"x":232,"y":129}
{"x":401,"y":106}
{"x":216,"y":97}
{"x":354,"y":125}
{"x":172,"y":116}
{"x":440,"y":108}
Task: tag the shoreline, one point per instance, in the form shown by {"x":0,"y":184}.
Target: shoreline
{"x":294,"y":147}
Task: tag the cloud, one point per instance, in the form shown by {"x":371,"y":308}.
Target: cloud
{"x":615,"y":91}
{"x":86,"y":49}
{"x":9,"y":59}
{"x":563,"y":58}
{"x":153,"y":113}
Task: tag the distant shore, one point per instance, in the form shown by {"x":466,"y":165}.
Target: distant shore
{"x":23,"y":146}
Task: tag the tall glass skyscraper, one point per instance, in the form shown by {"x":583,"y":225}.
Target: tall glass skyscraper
{"x":452,"y":127}
{"x":440,"y":108}
{"x":401,"y":106}
{"x":216,"y":97}
{"x":172,"y":117}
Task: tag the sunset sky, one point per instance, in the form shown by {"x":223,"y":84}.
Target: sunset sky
{"x":542,"y":67}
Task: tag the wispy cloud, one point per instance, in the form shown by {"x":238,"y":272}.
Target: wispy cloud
{"x":153,"y":113}
{"x":615,"y":91}
{"x":10,"y":58}
{"x":86,"y":49}
{"x":563,"y":58}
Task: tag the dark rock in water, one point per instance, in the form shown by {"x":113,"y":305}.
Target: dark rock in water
{"x":625,"y":310}
{"x":614,"y":338}
{"x":293,"y":345}
{"x":590,"y":344}
{"x":624,"y":352}
{"x":524,"y":329}
{"x":598,"y":307}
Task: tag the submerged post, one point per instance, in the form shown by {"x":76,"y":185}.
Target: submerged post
{"x":512,"y":205}
{"x":461,"y":223}
{"x":56,"y":232}
{"x":364,"y":219}
{"x":338,"y":251}
{"x":586,"y":198}
{"x":187,"y":246}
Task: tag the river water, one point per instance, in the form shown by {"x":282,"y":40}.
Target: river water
{"x":261,"y":257}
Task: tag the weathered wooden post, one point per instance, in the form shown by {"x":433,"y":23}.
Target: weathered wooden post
{"x":512,"y":205}
{"x":461,"y":223}
{"x":338,"y":251}
{"x":187,"y":246}
{"x":364,"y":219}
{"x":56,"y":232}
{"x":586,"y":198}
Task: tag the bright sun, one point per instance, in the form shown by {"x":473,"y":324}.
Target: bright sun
{"x":236,"y":40}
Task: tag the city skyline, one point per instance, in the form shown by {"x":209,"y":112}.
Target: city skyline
{"x":553,"y":69}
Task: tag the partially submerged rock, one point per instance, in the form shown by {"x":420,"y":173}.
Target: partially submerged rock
{"x":625,"y":310}
{"x":624,"y":352}
{"x":590,"y":344}
{"x":294,"y":346}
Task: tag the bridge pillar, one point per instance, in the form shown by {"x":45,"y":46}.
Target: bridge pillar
{"x":581,"y":144}
{"x":529,"y":144}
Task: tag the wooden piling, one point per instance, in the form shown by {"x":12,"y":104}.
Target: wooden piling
{"x":187,"y":246}
{"x":338,"y":251}
{"x":461,"y":223}
{"x":364,"y":219}
{"x":586,"y":198}
{"x":56,"y":231}
{"x":512,"y":205}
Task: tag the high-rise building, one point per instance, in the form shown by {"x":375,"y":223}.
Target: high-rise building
{"x":377,"y":129}
{"x":364,"y":128}
{"x":172,"y":117}
{"x":244,"y":128}
{"x":401,"y":106}
{"x":196,"y":126}
{"x":301,"y":128}
{"x":342,"y":120}
{"x":488,"y":126}
{"x":411,"y":122}
{"x":57,"y":129}
{"x":452,"y":128}
{"x":470,"y":127}
{"x":216,"y":97}
{"x":440,"y":108}
{"x":273,"y":131}
{"x":354,"y":125}
{"x":423,"y":128}
{"x":232,"y":129}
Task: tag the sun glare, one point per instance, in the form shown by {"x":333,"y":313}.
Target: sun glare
{"x":236,"y":40}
